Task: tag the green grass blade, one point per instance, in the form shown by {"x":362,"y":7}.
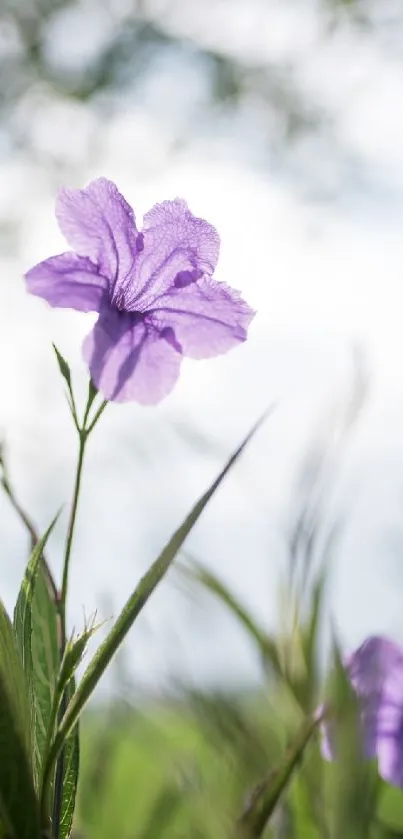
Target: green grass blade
{"x":132,"y":609}
{"x":265,"y":797}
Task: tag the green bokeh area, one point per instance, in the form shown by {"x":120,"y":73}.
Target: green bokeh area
{"x":169,"y":771}
{"x":172,"y":771}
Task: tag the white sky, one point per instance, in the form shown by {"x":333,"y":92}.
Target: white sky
{"x":321,"y":273}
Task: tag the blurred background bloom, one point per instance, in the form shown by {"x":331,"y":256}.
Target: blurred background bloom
{"x":375,"y":671}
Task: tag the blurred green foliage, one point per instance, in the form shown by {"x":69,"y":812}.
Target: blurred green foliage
{"x":194,"y":766}
{"x":186,"y":768}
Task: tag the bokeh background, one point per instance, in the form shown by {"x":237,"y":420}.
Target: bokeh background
{"x":281,"y":123}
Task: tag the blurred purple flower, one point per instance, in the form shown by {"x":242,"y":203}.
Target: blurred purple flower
{"x":376,"y":674}
{"x":153,"y":290}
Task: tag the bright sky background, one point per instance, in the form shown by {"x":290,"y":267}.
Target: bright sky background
{"x":316,"y":246}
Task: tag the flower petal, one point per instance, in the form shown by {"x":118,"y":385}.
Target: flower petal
{"x":97,"y":222}
{"x":68,"y":280}
{"x":130,"y":360}
{"x":207,"y":317}
{"x":175,"y":244}
{"x":376,"y":672}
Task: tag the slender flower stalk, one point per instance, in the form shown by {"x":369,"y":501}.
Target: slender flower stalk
{"x":57,"y":801}
{"x":84,"y":432}
{"x":72,"y":520}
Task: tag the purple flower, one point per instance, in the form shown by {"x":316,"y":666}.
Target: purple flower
{"x":376,"y":674}
{"x":154,"y":291}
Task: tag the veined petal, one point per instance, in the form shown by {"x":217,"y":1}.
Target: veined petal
{"x":130,"y":360}
{"x":97,"y":222}
{"x":177,"y":247}
{"x":207,"y":317}
{"x":68,"y":281}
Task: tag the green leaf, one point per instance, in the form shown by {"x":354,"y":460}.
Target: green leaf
{"x":130,"y":612}
{"x":45,"y":660}
{"x":65,"y":371}
{"x":266,"y":795}
{"x":63,"y":367}
{"x":71,"y":760}
{"x":23,"y":606}
{"x":35,"y":627}
{"x":92,"y":394}
{"x":73,"y":655}
{"x":18,"y":805}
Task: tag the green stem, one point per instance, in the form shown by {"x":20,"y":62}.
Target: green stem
{"x":57,"y":802}
{"x":83,"y":433}
{"x":72,"y":520}
{"x":96,"y":417}
{"x":266,"y":794}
